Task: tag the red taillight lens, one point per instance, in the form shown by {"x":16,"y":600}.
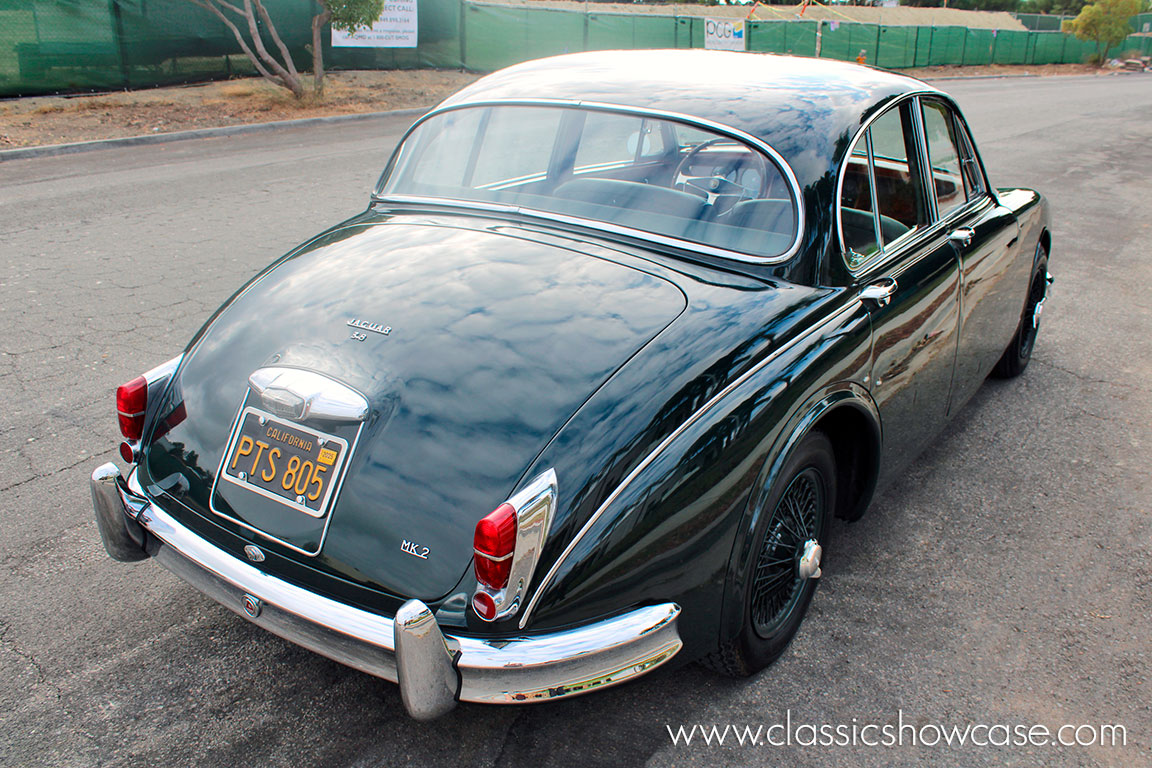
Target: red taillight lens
{"x":494,"y":543}
{"x":131,"y":403}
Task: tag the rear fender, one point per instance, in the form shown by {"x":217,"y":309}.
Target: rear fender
{"x":813,"y":414}
{"x":668,"y":531}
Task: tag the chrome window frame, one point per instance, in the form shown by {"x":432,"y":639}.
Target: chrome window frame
{"x":665,"y":240}
{"x":886,"y":251}
{"x":969,"y":206}
{"x":891,"y":251}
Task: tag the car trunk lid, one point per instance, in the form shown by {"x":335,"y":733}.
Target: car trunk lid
{"x":472,"y":349}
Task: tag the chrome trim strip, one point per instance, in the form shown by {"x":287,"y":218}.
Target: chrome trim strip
{"x":742,"y":136}
{"x":927,"y":178}
{"x":647,"y":460}
{"x":411,"y":649}
{"x":879,"y":233}
{"x":602,"y":226}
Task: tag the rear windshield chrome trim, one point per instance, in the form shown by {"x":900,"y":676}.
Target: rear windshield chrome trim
{"x":675,"y":242}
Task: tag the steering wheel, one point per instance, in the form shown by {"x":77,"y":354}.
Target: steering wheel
{"x":717,"y":184}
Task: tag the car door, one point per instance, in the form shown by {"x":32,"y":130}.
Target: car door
{"x":984,"y":235}
{"x":906,"y":272}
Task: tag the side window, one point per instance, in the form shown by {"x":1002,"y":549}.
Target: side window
{"x":856,"y":211}
{"x":969,"y":165}
{"x":883,"y":196}
{"x":899,"y":193}
{"x":944,"y":158}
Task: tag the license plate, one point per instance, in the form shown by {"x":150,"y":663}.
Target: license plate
{"x":284,"y":461}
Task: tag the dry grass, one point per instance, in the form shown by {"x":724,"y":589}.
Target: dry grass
{"x":59,"y":119}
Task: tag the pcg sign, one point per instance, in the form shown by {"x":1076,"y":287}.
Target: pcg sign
{"x":724,"y":35}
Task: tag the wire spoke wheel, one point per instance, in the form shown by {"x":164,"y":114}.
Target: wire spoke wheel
{"x":796,"y":521}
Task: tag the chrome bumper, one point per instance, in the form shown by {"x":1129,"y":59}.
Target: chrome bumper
{"x":434,"y":670}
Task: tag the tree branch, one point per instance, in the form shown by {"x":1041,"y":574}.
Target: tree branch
{"x":276,"y":39}
{"x":258,"y":43}
{"x":211,"y":7}
{"x":318,"y":22}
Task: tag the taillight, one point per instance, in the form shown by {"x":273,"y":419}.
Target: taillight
{"x":131,"y":403}
{"x":494,"y":544}
{"x":507,"y":546}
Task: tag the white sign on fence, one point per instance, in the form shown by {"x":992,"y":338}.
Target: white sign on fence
{"x":724,"y":35}
{"x":396,"y":28}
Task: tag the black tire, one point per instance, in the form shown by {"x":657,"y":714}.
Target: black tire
{"x":775,"y":598}
{"x":1015,"y":358}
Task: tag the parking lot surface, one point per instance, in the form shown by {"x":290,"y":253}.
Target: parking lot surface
{"x":1007,"y":578}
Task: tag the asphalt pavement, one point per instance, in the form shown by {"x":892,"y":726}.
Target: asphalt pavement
{"x":1006,"y":579}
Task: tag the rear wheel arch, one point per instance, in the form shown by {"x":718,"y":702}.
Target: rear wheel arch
{"x":843,"y":412}
{"x":855,"y":435}
{"x":1046,"y":241}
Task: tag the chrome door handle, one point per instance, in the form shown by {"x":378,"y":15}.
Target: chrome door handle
{"x":880,"y":291}
{"x":962,"y":236}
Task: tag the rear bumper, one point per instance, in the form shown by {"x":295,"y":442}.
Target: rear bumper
{"x":434,"y":670}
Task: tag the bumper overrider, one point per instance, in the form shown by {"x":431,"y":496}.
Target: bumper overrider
{"x":434,"y":670}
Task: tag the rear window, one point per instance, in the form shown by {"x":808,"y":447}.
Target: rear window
{"x":658,"y":176}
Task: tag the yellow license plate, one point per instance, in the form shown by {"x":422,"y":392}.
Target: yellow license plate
{"x":284,"y":461}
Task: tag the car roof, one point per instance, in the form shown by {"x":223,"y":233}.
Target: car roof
{"x":806,"y":109}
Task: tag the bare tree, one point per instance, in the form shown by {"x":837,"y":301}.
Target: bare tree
{"x":247,"y":16}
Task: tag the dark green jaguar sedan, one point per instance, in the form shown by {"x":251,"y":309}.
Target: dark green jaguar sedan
{"x":580,"y":391}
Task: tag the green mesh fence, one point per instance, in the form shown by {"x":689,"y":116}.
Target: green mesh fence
{"x":51,"y":46}
{"x":1011,"y":47}
{"x":66,"y":45}
{"x":1048,"y":48}
{"x":795,"y":37}
{"x":896,"y":47}
{"x":948,"y":46}
{"x":499,"y":35}
{"x":617,"y":31}
{"x":1041,"y":22}
{"x":978,"y":47}
{"x":848,"y":41}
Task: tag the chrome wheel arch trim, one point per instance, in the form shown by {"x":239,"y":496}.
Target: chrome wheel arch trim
{"x":545,"y":582}
{"x":687,"y":245}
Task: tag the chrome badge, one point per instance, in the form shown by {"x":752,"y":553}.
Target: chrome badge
{"x":364,"y":325}
{"x":252,"y":606}
{"x":254,"y":553}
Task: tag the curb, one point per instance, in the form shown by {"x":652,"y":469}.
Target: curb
{"x":981,"y":77}
{"x":50,"y":150}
